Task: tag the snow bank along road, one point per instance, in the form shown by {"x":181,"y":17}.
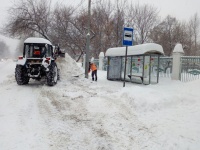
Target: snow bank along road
{"x":79,"y":115}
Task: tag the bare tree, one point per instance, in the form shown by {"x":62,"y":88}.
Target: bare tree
{"x":181,"y":35}
{"x":171,"y":24}
{"x":194,"y":25}
{"x":29,"y":17}
{"x":143,"y":19}
{"x":101,"y":14}
{"x":70,"y":30}
{"x":119,"y":20}
{"x":78,"y":33}
{"x":165,"y":34}
{"x":61,"y":24}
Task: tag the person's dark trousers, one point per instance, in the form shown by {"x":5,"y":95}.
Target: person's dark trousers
{"x":94,"y":73}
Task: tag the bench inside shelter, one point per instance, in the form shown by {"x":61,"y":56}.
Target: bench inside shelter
{"x":141,"y":77}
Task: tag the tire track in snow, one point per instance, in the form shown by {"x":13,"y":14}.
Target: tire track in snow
{"x":65,"y":113}
{"x":74,"y":126}
{"x":22,"y":116}
{"x":121,"y":124}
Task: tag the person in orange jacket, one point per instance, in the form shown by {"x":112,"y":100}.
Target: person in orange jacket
{"x":93,"y":67}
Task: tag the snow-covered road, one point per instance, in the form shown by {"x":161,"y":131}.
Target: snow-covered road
{"x":21,"y":124}
{"x":82,"y":118}
{"x":78,"y":114}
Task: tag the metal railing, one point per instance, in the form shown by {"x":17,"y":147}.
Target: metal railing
{"x":190,"y":68}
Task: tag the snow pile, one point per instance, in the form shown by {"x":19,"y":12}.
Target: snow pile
{"x":68,"y":67}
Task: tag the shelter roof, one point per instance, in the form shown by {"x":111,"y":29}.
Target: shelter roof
{"x":143,"y":49}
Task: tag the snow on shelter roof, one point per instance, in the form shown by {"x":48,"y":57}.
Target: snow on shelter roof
{"x":148,"y":48}
{"x":37,"y":40}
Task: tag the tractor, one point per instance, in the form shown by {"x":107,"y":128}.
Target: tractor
{"x":38,"y":61}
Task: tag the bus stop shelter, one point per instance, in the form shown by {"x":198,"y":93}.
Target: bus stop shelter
{"x":142,"y":63}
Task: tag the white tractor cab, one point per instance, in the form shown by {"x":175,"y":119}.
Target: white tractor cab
{"x":37,"y":62}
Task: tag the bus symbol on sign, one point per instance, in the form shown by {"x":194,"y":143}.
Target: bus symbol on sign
{"x":128,"y":35}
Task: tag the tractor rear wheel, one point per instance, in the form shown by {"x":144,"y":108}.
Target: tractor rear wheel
{"x":21,"y":75}
{"x":52,"y":74}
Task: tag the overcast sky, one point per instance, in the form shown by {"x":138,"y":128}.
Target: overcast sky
{"x":182,"y":9}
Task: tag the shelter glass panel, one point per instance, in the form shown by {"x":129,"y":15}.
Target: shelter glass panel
{"x":155,"y":69}
{"x":114,"y":66}
{"x":136,"y":69}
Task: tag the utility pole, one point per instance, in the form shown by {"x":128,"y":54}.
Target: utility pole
{"x":88,"y":42}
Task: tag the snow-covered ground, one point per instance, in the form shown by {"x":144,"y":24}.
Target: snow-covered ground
{"x":76,"y":114}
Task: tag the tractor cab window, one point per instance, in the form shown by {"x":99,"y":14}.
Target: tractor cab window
{"x":49,"y":50}
{"x":36,"y":51}
{"x":28,"y":51}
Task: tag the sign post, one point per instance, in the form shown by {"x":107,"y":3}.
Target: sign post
{"x":127,"y":41}
{"x":88,"y":42}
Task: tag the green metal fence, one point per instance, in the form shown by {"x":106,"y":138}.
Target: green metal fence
{"x":190,"y":68}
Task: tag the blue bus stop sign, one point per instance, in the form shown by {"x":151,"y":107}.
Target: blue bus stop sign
{"x":128,"y":36}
